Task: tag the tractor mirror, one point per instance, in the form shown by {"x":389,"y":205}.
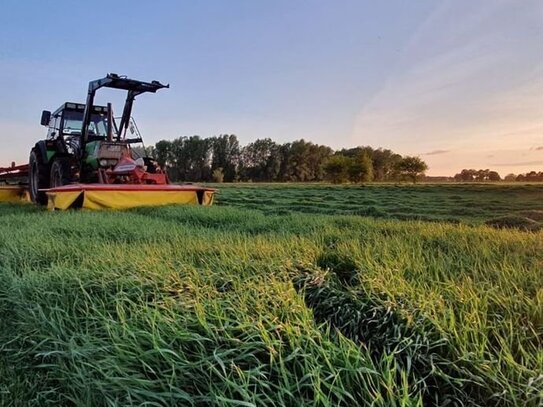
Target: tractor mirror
{"x":45,"y":117}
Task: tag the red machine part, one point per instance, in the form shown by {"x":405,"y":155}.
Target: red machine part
{"x":128,"y":171}
{"x":14,"y":171}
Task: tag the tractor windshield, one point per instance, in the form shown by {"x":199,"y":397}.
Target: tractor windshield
{"x":72,"y":122}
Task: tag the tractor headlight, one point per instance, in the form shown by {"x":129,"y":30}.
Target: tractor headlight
{"x":105,"y":162}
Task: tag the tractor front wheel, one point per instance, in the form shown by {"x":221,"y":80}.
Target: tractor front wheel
{"x":61,"y":172}
{"x":38,"y":178}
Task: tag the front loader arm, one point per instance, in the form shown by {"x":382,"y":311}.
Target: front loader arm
{"x":134,"y":88}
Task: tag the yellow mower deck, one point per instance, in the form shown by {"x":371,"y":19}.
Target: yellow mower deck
{"x":13,"y":193}
{"x":118,"y":196}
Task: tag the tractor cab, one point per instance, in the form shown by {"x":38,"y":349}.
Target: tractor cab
{"x":65,"y":128}
{"x":65,"y":124}
{"x":67,"y":121}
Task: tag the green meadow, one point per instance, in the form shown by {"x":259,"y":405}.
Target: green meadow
{"x":278,"y":295}
{"x":466,"y":203}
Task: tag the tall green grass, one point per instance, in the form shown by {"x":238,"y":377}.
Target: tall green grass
{"x":227,"y":306}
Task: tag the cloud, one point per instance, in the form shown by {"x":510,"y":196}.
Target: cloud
{"x":540,"y":148}
{"x":461,"y":85}
{"x":540,"y":162}
{"x":436,"y":152}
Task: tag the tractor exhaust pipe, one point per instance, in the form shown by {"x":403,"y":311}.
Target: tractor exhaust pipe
{"x":109,"y":122}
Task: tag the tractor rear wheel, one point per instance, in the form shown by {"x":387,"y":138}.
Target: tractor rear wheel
{"x":61,"y":172}
{"x":38,"y":177}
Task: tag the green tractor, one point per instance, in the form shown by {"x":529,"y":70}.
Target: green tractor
{"x":86,"y":145}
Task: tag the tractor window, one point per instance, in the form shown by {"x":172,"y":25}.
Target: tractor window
{"x":72,"y":122}
{"x":54,"y":124}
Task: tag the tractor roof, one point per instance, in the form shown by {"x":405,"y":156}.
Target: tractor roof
{"x":78,"y":107}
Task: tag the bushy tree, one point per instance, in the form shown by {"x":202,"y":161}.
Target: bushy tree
{"x":411,"y":168}
{"x":163,"y":153}
{"x":360,"y":168}
{"x":336,"y":169}
{"x":225,"y":153}
{"x":260,"y":161}
{"x":384,"y":162}
{"x":494,"y":176}
{"x":303,"y":161}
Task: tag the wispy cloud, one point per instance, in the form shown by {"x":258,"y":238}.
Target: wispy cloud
{"x":447,"y":90}
{"x":436,"y":152}
{"x":519,"y":164}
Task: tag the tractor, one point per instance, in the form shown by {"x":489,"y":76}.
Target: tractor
{"x":86,"y":145}
{"x":89,"y":159}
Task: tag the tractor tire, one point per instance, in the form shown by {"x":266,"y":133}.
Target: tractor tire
{"x":38,"y":177}
{"x":61,"y":172}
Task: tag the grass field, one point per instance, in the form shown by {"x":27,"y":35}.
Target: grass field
{"x":262,"y":301}
{"x":467,"y":203}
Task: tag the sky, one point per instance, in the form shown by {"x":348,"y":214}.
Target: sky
{"x":458,"y":83}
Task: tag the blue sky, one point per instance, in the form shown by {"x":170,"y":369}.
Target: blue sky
{"x":459,"y":83}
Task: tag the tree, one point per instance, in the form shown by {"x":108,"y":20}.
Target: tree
{"x":303,"y":161}
{"x":296,"y":161}
{"x":533,"y":176}
{"x":510,"y":177}
{"x":225,"y":153}
{"x":336,"y":169}
{"x":477,"y":175}
{"x":482,"y":175}
{"x":494,"y":176}
{"x":185,"y":158}
{"x":466,"y":175}
{"x":163,"y":153}
{"x":198,"y":155}
{"x":384,"y":162}
{"x":360,"y":168}
{"x":260,"y":161}
{"x":317,"y":156}
{"x":411,"y":168}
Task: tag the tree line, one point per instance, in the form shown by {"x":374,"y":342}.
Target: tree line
{"x":531,"y":176}
{"x":477,"y":175}
{"x":487,"y":175}
{"x":222,"y":158}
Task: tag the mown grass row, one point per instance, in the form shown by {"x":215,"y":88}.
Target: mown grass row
{"x":223,"y":306}
{"x":503,"y":205}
